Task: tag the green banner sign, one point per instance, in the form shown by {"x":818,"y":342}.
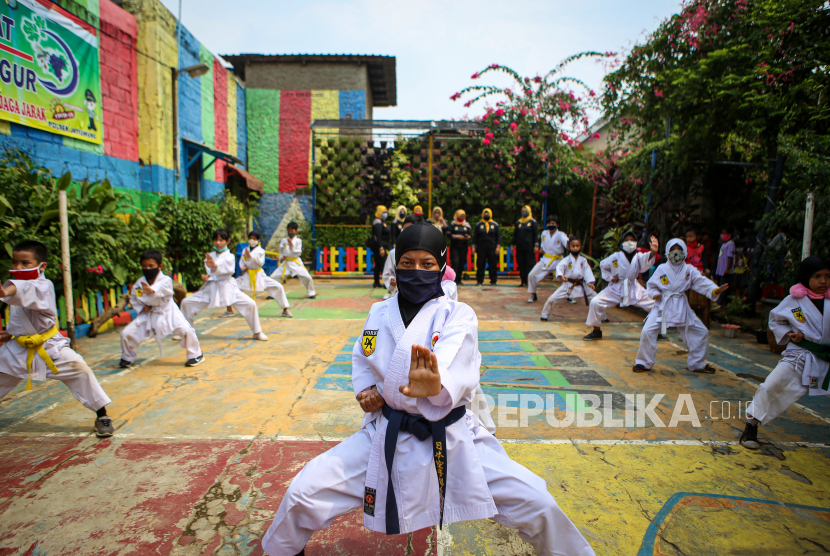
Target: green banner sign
{"x":49,"y":74}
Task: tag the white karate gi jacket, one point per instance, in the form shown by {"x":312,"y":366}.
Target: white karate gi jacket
{"x":220,"y":290}
{"x":164,"y":315}
{"x":801,"y":315}
{"x":254,"y":261}
{"x":381,"y":357}
{"x":672,"y":281}
{"x":575,"y":269}
{"x":627,"y":288}
{"x":32,"y":310}
{"x":388,"y":270}
{"x":555,"y":244}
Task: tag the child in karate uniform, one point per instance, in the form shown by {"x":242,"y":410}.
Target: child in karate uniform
{"x":667,"y":288}
{"x":253,"y":257}
{"x":220,"y":289}
{"x":554,"y":245}
{"x":577,"y":279}
{"x":32,"y":347}
{"x":291,"y":263}
{"x":802,"y":323}
{"x":158,"y":315}
{"x":621,"y":271}
{"x":419,"y":351}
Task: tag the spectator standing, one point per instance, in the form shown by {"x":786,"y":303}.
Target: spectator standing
{"x":487,"y":244}
{"x":459,"y":232}
{"x":526,"y":240}
{"x":726,"y":257}
{"x":381,"y":238}
{"x":397,"y":223}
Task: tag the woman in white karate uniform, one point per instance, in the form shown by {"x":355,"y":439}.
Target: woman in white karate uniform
{"x":577,"y":276}
{"x":220,"y":289}
{"x":671,"y":308}
{"x":802,"y":323}
{"x":554,"y":244}
{"x":621,"y":271}
{"x":291,"y":262}
{"x":253,"y":259}
{"x":420,"y":352}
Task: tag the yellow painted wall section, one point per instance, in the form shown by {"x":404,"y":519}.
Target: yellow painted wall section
{"x":233,"y":146}
{"x":325,"y":105}
{"x":157,"y":38}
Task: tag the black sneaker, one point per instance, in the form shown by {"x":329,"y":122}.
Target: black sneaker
{"x":196,"y":361}
{"x":479,"y":284}
{"x":640,"y":368}
{"x":103,"y":427}
{"x":543,"y":319}
{"x":312,"y":297}
{"x":593,"y":335}
{"x":124,"y":364}
{"x":749,"y":439}
{"x":532,"y":298}
{"x":661,"y":337}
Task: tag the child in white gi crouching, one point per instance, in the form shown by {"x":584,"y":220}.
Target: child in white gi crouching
{"x":422,"y":459}
{"x":577,"y":279}
{"x":802,"y":323}
{"x":291,"y":262}
{"x":32,"y":347}
{"x":158,"y":315}
{"x":253,"y":279}
{"x":554,"y":244}
{"x":621,"y":271}
{"x":667,"y":288}
{"x":220,"y":289}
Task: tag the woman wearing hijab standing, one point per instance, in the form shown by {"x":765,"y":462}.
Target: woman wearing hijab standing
{"x":397,"y":223}
{"x":459,"y":232}
{"x":381,"y":239}
{"x":437,"y":219}
{"x":487,"y":244}
{"x":526,"y":240}
{"x":421,"y":458}
{"x":802,"y":323}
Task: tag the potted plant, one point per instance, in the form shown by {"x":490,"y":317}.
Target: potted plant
{"x":734,"y":309}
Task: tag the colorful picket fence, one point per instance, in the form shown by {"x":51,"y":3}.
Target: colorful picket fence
{"x":358,"y":261}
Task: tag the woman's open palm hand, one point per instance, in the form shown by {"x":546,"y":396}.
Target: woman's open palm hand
{"x":424,"y":378}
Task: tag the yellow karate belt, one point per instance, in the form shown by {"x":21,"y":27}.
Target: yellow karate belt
{"x":553,"y":258}
{"x":252,"y":279}
{"x":34,"y":344}
{"x":284,"y":266}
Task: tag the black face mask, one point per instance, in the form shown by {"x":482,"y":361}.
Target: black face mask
{"x":417,"y":286}
{"x":552,"y":227}
{"x":486,"y":217}
{"x":150,"y":273}
{"x":576,"y":253}
{"x":292,"y":234}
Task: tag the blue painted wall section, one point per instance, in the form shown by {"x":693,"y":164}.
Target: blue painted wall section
{"x":241,"y":125}
{"x":273,"y":207}
{"x":353,"y":105}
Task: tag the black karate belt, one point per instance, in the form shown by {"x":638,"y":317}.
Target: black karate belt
{"x":421,"y":429}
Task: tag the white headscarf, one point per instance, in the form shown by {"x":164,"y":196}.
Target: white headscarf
{"x":682,"y":245}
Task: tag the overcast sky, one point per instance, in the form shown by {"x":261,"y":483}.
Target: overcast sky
{"x":438,"y":44}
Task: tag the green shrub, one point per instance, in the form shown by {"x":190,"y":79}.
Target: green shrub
{"x":337,"y":236}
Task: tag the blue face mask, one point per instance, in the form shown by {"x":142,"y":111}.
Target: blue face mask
{"x":225,"y":248}
{"x":418,"y":286}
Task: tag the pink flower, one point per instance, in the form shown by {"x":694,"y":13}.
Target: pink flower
{"x":489,"y":135}
{"x":474,"y":76}
{"x":658,"y":92}
{"x":496,"y":122}
{"x":486,"y":141}
{"x":499,"y":112}
{"x":467,"y":104}
{"x":537,"y":79}
{"x":513,"y":126}
{"x":596,"y":135}
{"x":494,"y":66}
{"x":100,"y":268}
{"x":455,"y":96}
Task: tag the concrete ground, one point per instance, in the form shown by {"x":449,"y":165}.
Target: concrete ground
{"x":202,"y":456}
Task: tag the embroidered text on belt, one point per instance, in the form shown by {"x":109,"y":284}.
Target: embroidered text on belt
{"x":34,"y":344}
{"x":421,"y":429}
{"x":285,"y":264}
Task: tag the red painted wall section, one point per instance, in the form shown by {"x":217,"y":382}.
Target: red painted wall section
{"x":119,"y":81}
{"x":220,"y":115}
{"x":295,"y":139}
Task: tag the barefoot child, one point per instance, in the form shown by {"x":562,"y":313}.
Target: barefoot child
{"x":421,"y":459}
{"x":577,"y":279}
{"x":32,"y":348}
{"x":802,"y":323}
{"x":667,"y":288}
{"x":554,"y":245}
{"x":291,"y":263}
{"x":158,"y":315}
{"x":220,"y":289}
{"x":253,"y":257}
{"x":621,"y":271}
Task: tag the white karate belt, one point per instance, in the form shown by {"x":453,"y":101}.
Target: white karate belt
{"x":663,"y":302}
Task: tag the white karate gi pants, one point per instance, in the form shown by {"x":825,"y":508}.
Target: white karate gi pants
{"x":608,"y":298}
{"x":780,"y":390}
{"x":539,"y":271}
{"x":290,"y":268}
{"x":273,"y":288}
{"x":133,"y":335}
{"x":333,"y":483}
{"x":562,"y":293}
{"x":696,"y":339}
{"x":246,"y":306}
{"x":75,"y":373}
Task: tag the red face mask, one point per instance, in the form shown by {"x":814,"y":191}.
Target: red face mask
{"x":27,"y":274}
{"x":726,"y":237}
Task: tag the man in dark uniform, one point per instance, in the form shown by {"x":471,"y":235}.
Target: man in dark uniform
{"x":526,"y":240}
{"x":487,"y":243}
{"x":459,"y":232}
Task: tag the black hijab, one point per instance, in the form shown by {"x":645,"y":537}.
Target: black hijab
{"x":428,"y":238}
{"x":808,"y":267}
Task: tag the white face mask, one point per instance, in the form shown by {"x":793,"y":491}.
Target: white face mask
{"x":629,"y":246}
{"x":253,"y":243}
{"x":676,"y":257}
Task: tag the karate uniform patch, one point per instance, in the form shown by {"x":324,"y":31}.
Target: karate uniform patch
{"x":664,"y":280}
{"x":570,"y":266}
{"x":688,"y":274}
{"x":369,"y":342}
{"x":616,"y":264}
{"x":435,"y":336}
{"x":369,"y":502}
{"x":799,"y":315}
{"x":138,"y":292}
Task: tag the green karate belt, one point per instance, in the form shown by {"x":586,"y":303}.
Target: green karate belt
{"x":822,"y":351}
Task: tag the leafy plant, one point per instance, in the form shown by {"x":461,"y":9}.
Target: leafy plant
{"x":190,"y":226}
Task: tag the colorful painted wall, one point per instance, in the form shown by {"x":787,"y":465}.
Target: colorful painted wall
{"x":282,"y":155}
{"x":137,"y":102}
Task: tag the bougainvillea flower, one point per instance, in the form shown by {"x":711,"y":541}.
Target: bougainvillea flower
{"x":513,"y":126}
{"x":455,"y":96}
{"x":474,"y":76}
{"x":486,"y":141}
{"x":489,"y":135}
{"x":499,"y":112}
{"x":658,"y":92}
